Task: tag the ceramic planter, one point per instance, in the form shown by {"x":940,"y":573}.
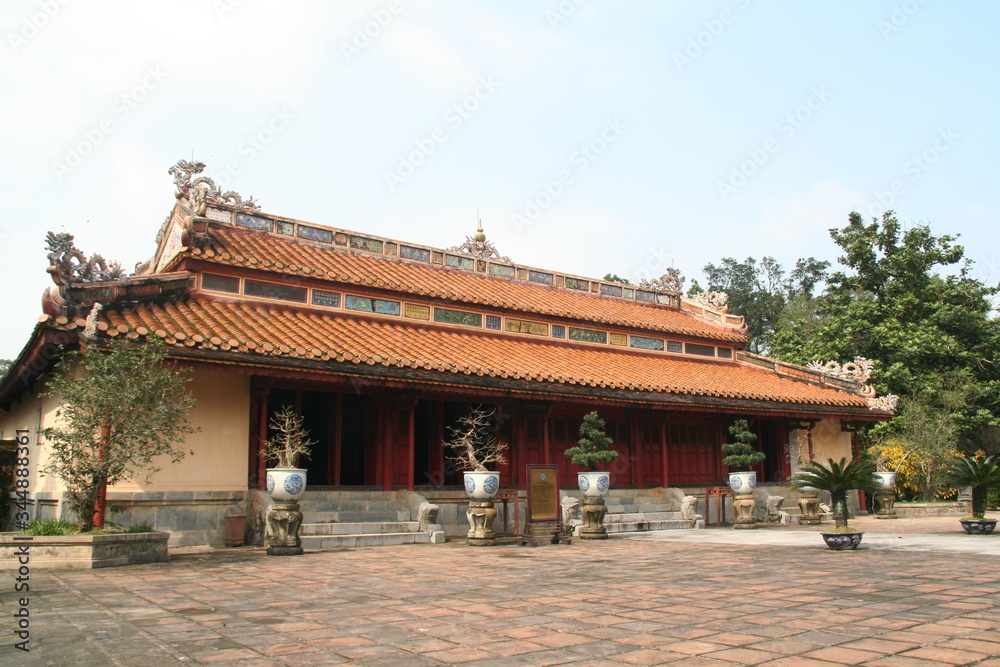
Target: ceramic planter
{"x":594,"y":483}
{"x":286,"y":484}
{"x":978,"y":526}
{"x":743,"y":483}
{"x":482,"y":484}
{"x":842,"y":541}
{"x":887,"y":480}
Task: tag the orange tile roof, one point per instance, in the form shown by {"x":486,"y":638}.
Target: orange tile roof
{"x":257,"y":332}
{"x":273,"y":254}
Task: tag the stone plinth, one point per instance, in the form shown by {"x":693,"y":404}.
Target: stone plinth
{"x":743,"y":509}
{"x":809,"y":506}
{"x":283,"y":523}
{"x":481,"y":514}
{"x":885,"y":501}
{"x":593,"y":511}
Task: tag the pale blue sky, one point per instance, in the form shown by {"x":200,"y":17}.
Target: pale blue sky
{"x":682,"y":132}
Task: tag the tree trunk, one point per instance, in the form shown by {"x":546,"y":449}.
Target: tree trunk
{"x":100,"y":502}
{"x":839,"y":500}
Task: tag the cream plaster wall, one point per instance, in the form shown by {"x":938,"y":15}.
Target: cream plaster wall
{"x":219,"y":459}
{"x":828,"y":442}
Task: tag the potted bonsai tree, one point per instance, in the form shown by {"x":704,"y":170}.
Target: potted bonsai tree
{"x":838,"y":479}
{"x":286,"y":482}
{"x":980,"y":472}
{"x":593,"y":449}
{"x":741,"y":458}
{"x":475,"y":447}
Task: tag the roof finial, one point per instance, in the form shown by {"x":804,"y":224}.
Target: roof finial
{"x":480,"y":235}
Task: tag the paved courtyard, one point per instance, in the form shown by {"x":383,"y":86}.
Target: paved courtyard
{"x":918,"y":592}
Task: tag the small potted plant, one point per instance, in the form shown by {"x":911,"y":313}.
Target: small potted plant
{"x":475,"y":448}
{"x":838,"y":479}
{"x":286,"y":482}
{"x":741,"y":458}
{"x":980,"y":472}
{"x":593,"y":449}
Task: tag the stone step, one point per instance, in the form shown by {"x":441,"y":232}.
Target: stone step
{"x":312,"y":529}
{"x":624,"y":509}
{"x":644,"y":526}
{"x":366,"y":540}
{"x":355,"y":517}
{"x":347,"y":505}
{"x":641,"y":516}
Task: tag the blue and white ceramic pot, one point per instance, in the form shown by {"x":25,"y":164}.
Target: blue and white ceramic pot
{"x":743,"y":483}
{"x":482,"y":484}
{"x":978,"y":526}
{"x":842,"y":541}
{"x":594,"y":483}
{"x":286,"y":484}
{"x":887,"y":480}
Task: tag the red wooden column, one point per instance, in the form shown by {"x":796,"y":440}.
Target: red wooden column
{"x":663,"y":453}
{"x":636,"y":449}
{"x":338,"y":439}
{"x":546,"y":450}
{"x":411,"y":445}
{"x":518,"y":450}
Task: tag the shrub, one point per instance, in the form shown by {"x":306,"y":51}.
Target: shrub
{"x":41,"y":527}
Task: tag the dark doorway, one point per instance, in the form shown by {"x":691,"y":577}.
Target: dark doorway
{"x":357,"y":440}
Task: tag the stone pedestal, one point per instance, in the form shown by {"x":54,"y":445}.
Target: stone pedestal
{"x":593,"y":511}
{"x":743,"y":508}
{"x":481,"y":514}
{"x":283,"y":522}
{"x":809,"y":506}
{"x":885,"y":501}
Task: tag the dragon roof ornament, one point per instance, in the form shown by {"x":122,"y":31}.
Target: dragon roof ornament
{"x":477,"y":246}
{"x":67,"y":264}
{"x":717,"y":300}
{"x":859,"y":370}
{"x":202,"y":190}
{"x":671,"y":281}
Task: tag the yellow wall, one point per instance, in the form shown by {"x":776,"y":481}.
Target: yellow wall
{"x":219,"y":461}
{"x":828,"y":442}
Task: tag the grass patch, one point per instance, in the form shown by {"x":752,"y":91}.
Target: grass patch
{"x":40,"y":528}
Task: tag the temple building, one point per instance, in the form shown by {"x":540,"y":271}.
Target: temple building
{"x":383,"y":344}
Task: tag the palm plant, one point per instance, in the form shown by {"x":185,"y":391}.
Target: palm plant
{"x":975,"y":471}
{"x":838,"y":479}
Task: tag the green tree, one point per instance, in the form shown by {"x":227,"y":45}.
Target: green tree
{"x":893,"y":303}
{"x":5,"y":365}
{"x":741,"y":454}
{"x":615,"y":278}
{"x":592,"y":447}
{"x":760,"y":292}
{"x":119,"y":408}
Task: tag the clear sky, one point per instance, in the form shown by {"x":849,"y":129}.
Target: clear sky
{"x":591,"y":136}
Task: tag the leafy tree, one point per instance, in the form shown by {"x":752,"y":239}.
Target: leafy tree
{"x":741,"y":454}
{"x":119,"y":409}
{"x":5,"y":365}
{"x":975,"y":471}
{"x":893,"y":304}
{"x":592,"y":447}
{"x":695,"y":289}
{"x":615,"y":278}
{"x":760,"y":292}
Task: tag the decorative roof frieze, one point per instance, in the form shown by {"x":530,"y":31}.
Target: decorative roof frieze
{"x":202,"y":191}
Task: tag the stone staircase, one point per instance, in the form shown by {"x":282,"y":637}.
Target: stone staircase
{"x":638,"y":510}
{"x":340,"y":518}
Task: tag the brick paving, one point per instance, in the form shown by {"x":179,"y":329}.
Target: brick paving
{"x":682,"y":601}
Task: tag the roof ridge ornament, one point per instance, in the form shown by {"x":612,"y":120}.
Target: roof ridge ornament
{"x":203,"y":191}
{"x":671,"y":281}
{"x":477,"y":246}
{"x":67,"y":264}
{"x":717,"y":300}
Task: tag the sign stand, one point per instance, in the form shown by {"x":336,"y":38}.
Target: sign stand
{"x":543,"y":520}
